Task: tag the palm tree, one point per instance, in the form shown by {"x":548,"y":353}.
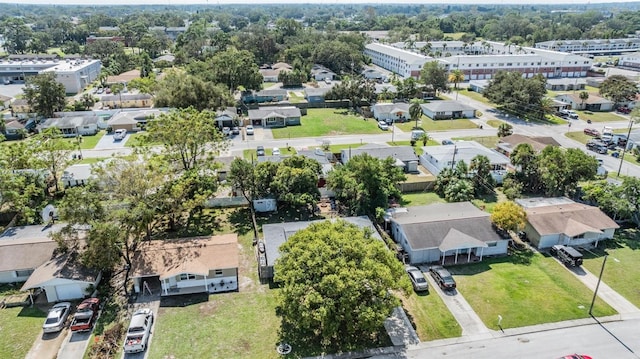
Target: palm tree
{"x":505,"y":130}
{"x":455,"y":77}
{"x":426,"y":49}
{"x":584,"y":96}
{"x":415,"y":110}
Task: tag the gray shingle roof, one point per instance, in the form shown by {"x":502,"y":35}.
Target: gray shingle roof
{"x":316,"y":91}
{"x":402,"y":153}
{"x":391,"y":107}
{"x":126,"y":97}
{"x":70,"y":122}
{"x":265,"y":112}
{"x":446,"y":106}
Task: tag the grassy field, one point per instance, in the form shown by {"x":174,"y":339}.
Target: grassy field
{"x":89,"y":142}
{"x":495,"y":123}
{"x":486,"y":141}
{"x":327,"y":122}
{"x":475,"y":96}
{"x":338,"y":148}
{"x":19,"y":327}
{"x":420,"y":199}
{"x":431,"y":316}
{"x":525,"y":288}
{"x":578,"y":136}
{"x":293,"y":98}
{"x":622,"y":265}
{"x":234,"y":325}
{"x":600,"y":116}
{"x":137,"y":139}
{"x":417,"y":147}
{"x":428,"y":125}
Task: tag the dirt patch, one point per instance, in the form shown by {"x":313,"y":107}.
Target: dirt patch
{"x":244,"y":345}
{"x":209,"y":308}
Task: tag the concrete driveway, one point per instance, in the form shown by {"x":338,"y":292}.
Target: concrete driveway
{"x":146,"y":301}
{"x":47,"y":344}
{"x":74,"y":345}
{"x":107,"y":142}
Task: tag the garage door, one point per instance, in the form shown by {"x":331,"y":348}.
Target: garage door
{"x":69,"y":291}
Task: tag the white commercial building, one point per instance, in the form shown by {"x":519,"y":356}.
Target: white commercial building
{"x":402,"y":62}
{"x":630,"y":60}
{"x":594,"y":46}
{"x":74,"y":74}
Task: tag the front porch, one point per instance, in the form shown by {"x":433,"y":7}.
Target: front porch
{"x":461,"y":259}
{"x":211,"y":285}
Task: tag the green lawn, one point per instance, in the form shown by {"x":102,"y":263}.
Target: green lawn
{"x":327,"y":122}
{"x":417,"y":147}
{"x":138,"y":139}
{"x":233,"y":325}
{"x":476,"y":96}
{"x":339,"y":148}
{"x":293,"y":98}
{"x":428,"y":125}
{"x":486,"y":141}
{"x":600,"y":116}
{"x":19,"y":327}
{"x":578,"y":136}
{"x":420,"y":199}
{"x":89,"y":142}
{"x":553,"y":120}
{"x":251,"y":153}
{"x":431,"y":317}
{"x":622,"y":265}
{"x":495,"y":123}
{"x":525,"y":289}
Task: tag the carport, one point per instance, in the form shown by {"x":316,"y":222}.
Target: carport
{"x":460,"y":243}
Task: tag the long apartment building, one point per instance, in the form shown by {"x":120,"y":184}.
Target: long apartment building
{"x":402,"y":62}
{"x":74,"y":74}
{"x":630,"y":60}
{"x":480,"y":61}
{"x":593,"y":46}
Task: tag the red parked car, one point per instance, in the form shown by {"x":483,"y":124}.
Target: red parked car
{"x":591,"y":132}
{"x":86,"y":315}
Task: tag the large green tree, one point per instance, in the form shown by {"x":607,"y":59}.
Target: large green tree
{"x":235,"y":69}
{"x":53,"y":153}
{"x":618,"y":89}
{"x":483,"y":182}
{"x":434,"y":76}
{"x":508,"y":216}
{"x":181,"y":90}
{"x":517,"y":95}
{"x":44,"y":94}
{"x":365,"y":183}
{"x":296,"y":181}
{"x":357,"y":90}
{"x":336,"y":280}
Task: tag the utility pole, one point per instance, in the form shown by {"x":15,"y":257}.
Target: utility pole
{"x":455,"y":150}
{"x":595,"y":292}
{"x":624,"y":148}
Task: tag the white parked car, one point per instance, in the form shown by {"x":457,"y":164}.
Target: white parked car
{"x":139,"y":331}
{"x":119,"y":135}
{"x":383,"y":125}
{"x":276,"y":151}
{"x":249,"y":130}
{"x":226,"y":131}
{"x":57,"y":318}
{"x":327,"y":80}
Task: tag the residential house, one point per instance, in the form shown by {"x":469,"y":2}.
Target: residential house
{"x":566,"y":84}
{"x":631,"y":60}
{"x":127,"y":100}
{"x":264,"y":96}
{"x":323,"y":158}
{"x":225,"y":167}
{"x":14,"y":130}
{"x":557,"y":106}
{"x":478,"y":85}
{"x":397,"y":112}
{"x":187,"y":265}
{"x":315,"y":95}
{"x":272,"y":72}
{"x":593,"y":103}
{"x":167,"y":58}
{"x":439,"y":110}
{"x":386,"y":89}
{"x":634,"y":139}
{"x":373,"y":74}
{"x":227,"y":117}
{"x":76,"y":175}
{"x":72,"y":126}
{"x":437,"y":158}
{"x":559,"y":220}
{"x":447,"y":233}
{"x":275,"y":116}
{"x":20,"y":108}
{"x":507,"y":144}
{"x":275,"y":234}
{"x":123,"y":78}
{"x":404,"y":156}
{"x":23,"y":249}
{"x":321,"y":73}
{"x":63,"y":278}
{"x":132,"y":120}
{"x":5,"y":102}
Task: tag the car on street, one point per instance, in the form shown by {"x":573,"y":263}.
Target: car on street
{"x":249,"y":130}
{"x":447,"y":142}
{"x":383,"y":125}
{"x":442,"y":277}
{"x":418,"y":280}
{"x":119,"y":134}
{"x":235,"y":130}
{"x":226,"y":131}
{"x":139,"y":331}
{"x":275,"y":151}
{"x":260,"y":151}
{"x":591,"y":132}
{"x":597,"y":147}
{"x":57,"y":318}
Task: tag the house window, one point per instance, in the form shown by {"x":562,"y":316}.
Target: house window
{"x":24,"y":273}
{"x":492,"y":244}
{"x":187,"y":276}
{"x":218,"y":272}
{"x":580,"y":236}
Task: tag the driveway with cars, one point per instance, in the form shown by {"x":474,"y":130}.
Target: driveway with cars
{"x":107,"y":142}
{"x":145,"y":301}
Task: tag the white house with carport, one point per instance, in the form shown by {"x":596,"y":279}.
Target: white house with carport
{"x":275,"y":234}
{"x":439,"y":110}
{"x":133,"y":121}
{"x":559,"y":220}
{"x":592,"y":103}
{"x":76,"y":175}
{"x":275,"y":116}
{"x":187,"y":265}
{"x":320,"y":73}
{"x":437,"y":158}
{"x":72,"y":126}
{"x":63,"y":278}
{"x":227,"y":117}
{"x":398,"y":112}
{"x":446,"y":233}
{"x":23,"y":249}
{"x":403,"y":156}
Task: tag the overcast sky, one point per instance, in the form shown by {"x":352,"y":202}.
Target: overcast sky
{"x":215,"y":2}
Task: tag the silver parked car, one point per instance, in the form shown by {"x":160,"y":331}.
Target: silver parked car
{"x":57,"y":318}
{"x":418,"y":280}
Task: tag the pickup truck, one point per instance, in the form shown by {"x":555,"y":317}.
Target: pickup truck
{"x":86,"y":315}
{"x":139,"y":331}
